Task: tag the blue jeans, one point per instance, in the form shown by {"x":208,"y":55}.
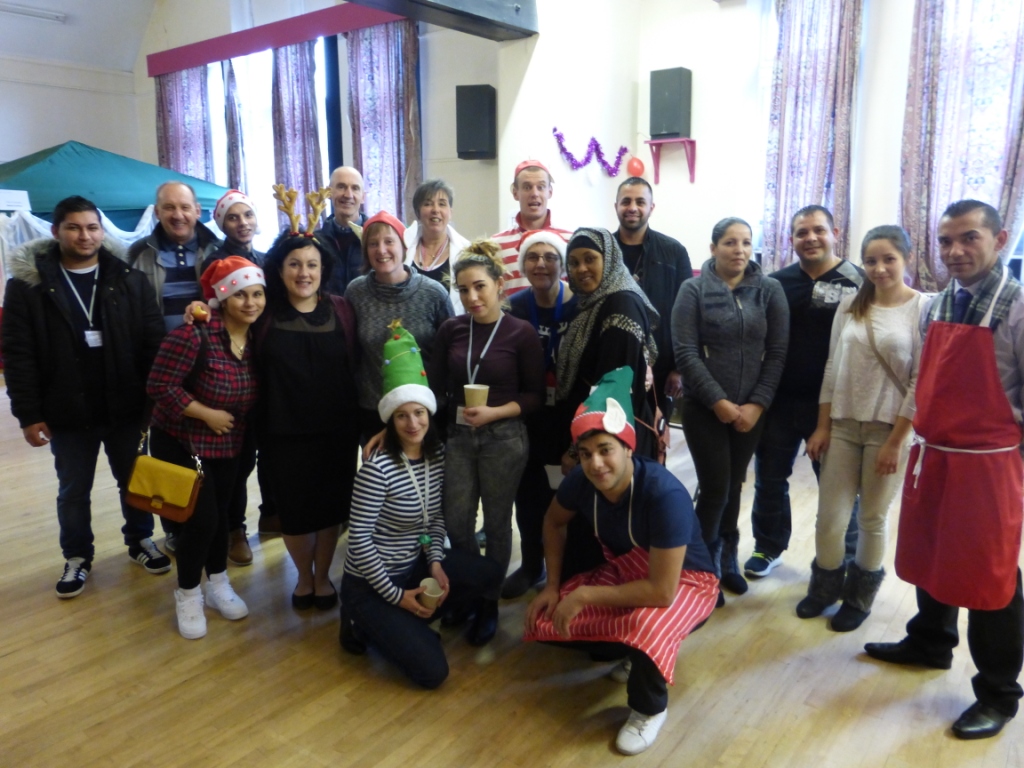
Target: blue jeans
{"x":74,"y":456}
{"x":786,"y":425}
{"x":482,"y":466}
{"x":404,"y":639}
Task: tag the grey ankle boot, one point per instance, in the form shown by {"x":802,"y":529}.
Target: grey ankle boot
{"x":859,"y":593}
{"x":824,"y":589}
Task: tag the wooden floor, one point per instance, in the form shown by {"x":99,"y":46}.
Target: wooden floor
{"x":105,"y":679}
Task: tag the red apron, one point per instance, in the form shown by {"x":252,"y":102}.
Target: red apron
{"x":963,"y":493}
{"x":658,"y":632}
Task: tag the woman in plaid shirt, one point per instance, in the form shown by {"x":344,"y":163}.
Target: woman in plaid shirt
{"x":203,"y":384}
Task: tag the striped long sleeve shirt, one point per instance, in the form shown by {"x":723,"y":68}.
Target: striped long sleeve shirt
{"x":387,"y":521}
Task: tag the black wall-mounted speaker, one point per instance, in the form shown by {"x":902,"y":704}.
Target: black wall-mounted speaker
{"x":476,"y":136}
{"x":671,"y":92}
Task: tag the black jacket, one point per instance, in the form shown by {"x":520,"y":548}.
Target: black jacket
{"x":42,"y":352}
{"x":664,"y":266}
{"x":346,"y":244}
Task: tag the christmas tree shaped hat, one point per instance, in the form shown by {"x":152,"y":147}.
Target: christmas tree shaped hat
{"x":405,"y":380}
{"x":608,"y":409}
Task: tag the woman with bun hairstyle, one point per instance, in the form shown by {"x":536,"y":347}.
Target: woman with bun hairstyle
{"x":389,"y":289}
{"x":487,"y":444}
{"x":203,"y":385}
{"x":864,"y":422}
{"x":397,"y":531}
{"x":730,"y":327}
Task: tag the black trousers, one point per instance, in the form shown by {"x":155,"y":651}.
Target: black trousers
{"x":646,"y":690}
{"x":203,"y":538}
{"x":995,"y":638}
{"x":720,"y":456}
{"x":533,"y":497}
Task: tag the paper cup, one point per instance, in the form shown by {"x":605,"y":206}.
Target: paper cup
{"x":476,"y":395}
{"x":555,"y":475}
{"x":431,"y":593}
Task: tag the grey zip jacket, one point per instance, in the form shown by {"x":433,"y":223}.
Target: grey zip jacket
{"x":730,"y":344}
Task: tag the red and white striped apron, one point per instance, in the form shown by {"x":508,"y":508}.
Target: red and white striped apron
{"x":657,"y":632}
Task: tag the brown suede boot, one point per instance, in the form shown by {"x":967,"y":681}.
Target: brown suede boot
{"x":238,"y":548}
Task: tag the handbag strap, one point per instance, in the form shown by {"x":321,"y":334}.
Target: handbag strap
{"x":900,"y":386}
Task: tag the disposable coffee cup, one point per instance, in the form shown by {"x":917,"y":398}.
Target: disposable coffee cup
{"x":431,"y":593}
{"x":476,"y":395}
{"x":555,"y":475}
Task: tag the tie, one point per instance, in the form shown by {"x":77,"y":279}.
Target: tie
{"x":961,"y":301}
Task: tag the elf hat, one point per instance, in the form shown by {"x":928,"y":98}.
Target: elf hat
{"x":542,"y":236}
{"x":232,"y":196}
{"x":608,"y":409}
{"x":405,"y":381}
{"x":228,"y":276}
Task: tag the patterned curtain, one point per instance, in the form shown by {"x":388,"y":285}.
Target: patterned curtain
{"x":296,"y":133}
{"x":233,"y":122}
{"x":183,"y":138}
{"x":384,"y":101}
{"x":964,"y":121}
{"x":810,"y":119}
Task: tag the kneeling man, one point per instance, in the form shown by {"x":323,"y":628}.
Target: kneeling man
{"x":657,"y":583}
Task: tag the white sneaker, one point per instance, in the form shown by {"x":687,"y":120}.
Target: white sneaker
{"x":620,"y":672}
{"x":639,"y":732}
{"x":191,"y":619}
{"x":221,"y":597}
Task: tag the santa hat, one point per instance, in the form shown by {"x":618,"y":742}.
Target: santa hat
{"x":228,"y":276}
{"x":405,"y":380}
{"x":608,"y":409}
{"x":232,"y":196}
{"x":386,"y":218}
{"x":542,"y":236}
{"x":529,"y":164}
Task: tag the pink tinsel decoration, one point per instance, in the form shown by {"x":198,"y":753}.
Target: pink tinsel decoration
{"x":593,"y":148}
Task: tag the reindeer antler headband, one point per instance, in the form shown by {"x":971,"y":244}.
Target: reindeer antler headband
{"x":316,"y":202}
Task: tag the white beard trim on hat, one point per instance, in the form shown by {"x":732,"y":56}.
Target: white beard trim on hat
{"x":614,"y":419}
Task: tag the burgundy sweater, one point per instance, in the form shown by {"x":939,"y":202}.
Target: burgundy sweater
{"x":513,"y":367}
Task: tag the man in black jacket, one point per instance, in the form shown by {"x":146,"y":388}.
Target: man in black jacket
{"x":344,"y":230}
{"x":80,"y":332}
{"x":660,"y":264}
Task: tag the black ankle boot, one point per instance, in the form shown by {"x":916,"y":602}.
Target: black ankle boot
{"x":825,"y":588}
{"x":859,"y":593}
{"x":485,"y":624}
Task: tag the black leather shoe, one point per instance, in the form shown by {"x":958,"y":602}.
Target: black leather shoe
{"x":519,"y":583}
{"x":303,"y":602}
{"x":979,"y":721}
{"x":325,"y":602}
{"x":904,"y":652}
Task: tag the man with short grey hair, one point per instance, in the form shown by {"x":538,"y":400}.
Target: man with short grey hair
{"x":344,"y":230}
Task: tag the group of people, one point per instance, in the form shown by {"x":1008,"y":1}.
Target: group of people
{"x":534,"y":373}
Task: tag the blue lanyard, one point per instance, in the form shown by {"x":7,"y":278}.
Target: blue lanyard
{"x":552,"y":342}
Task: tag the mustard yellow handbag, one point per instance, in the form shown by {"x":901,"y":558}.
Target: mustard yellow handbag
{"x":162,"y":488}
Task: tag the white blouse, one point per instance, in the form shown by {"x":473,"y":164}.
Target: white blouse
{"x":855,"y":383}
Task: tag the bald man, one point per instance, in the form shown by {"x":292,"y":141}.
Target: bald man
{"x":345,"y":228}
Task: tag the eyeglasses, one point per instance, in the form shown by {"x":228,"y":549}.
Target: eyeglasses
{"x":533,"y":258}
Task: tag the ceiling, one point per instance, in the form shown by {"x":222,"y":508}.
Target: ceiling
{"x":103,"y":34}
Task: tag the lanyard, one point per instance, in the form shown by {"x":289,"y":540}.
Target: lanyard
{"x":471,"y":373}
{"x":552,"y":342}
{"x":424,"y":498}
{"x":92,"y":301}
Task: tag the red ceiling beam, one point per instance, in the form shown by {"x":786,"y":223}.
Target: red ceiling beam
{"x":298,"y":29}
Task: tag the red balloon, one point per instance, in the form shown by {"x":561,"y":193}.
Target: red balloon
{"x":635,"y":166}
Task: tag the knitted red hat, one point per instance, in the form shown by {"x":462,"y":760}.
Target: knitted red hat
{"x":228,"y":276}
{"x":386,"y":218}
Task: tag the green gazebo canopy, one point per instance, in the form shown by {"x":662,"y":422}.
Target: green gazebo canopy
{"x":120,"y":186}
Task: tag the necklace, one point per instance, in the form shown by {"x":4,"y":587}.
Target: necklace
{"x":239,"y":347}
{"x":438,"y":252}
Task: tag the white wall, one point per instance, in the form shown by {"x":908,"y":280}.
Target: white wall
{"x":448,"y":59}
{"x":48,"y":103}
{"x":878,"y":133}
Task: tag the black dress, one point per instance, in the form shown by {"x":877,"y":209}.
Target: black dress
{"x":309,"y":436}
